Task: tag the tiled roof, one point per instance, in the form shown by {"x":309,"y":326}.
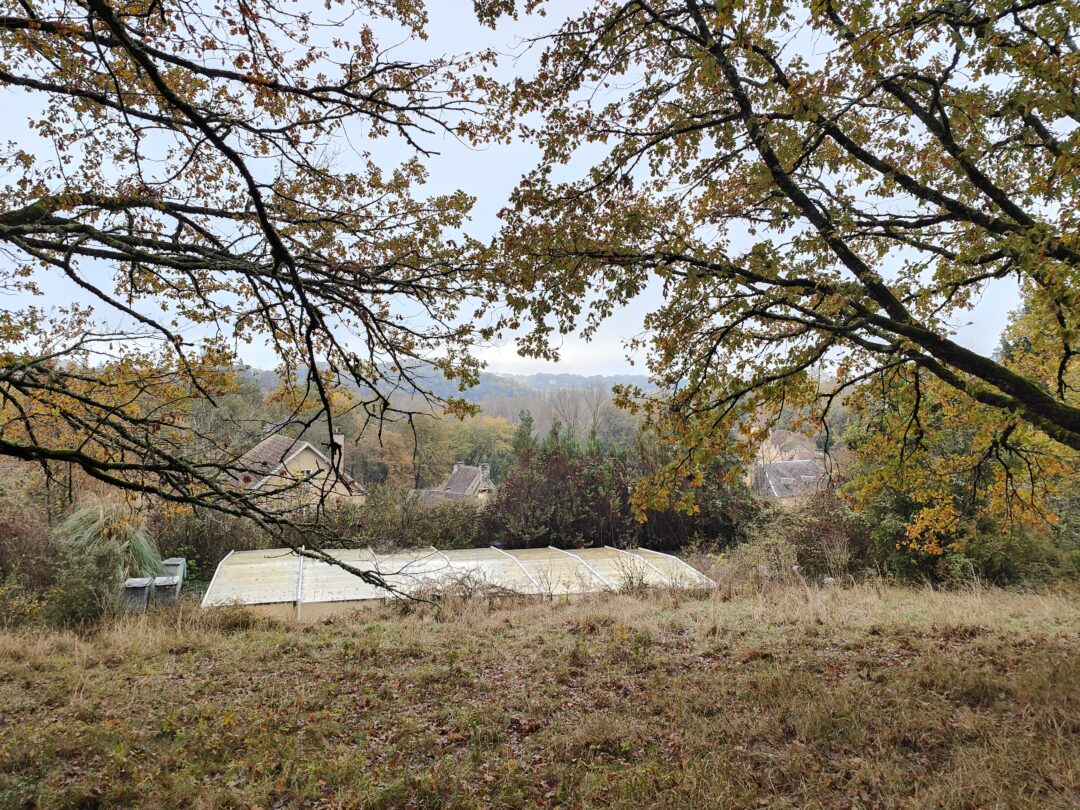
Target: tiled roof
{"x":428,"y":498}
{"x":790,"y":441}
{"x":467,"y":480}
{"x":265,"y":457}
{"x":465,"y":485}
{"x":788,"y":479}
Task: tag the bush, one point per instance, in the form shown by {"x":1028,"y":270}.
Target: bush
{"x":88,"y":588}
{"x":110,"y":527}
{"x":100,"y":544}
{"x":978,"y":548}
{"x":28,"y":551}
{"x":448,"y":525}
{"x":563,"y":493}
{"x":821,"y":535}
{"x":391,"y":519}
{"x":768,"y":556}
{"x":19,"y":605}
{"x":1005,"y":557}
{"x":203,"y":537}
{"x":1070,"y":564}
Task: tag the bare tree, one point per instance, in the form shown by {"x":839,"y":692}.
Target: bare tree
{"x":596,"y":397}
{"x":566,"y":404}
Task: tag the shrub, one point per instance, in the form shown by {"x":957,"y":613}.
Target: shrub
{"x":1070,"y":563}
{"x":392,"y":519}
{"x":1015,"y":556}
{"x":27,"y":549}
{"x":821,"y":535}
{"x":100,"y":544}
{"x":19,"y":605}
{"x":203,"y":537}
{"x":768,"y":556}
{"x":449,"y":525}
{"x":88,"y":588}
{"x":109,"y":526}
{"x":564,"y":493}
{"x":978,"y":547}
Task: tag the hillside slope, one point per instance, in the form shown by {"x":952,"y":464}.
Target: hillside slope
{"x":865,"y":697}
{"x":492,"y":384}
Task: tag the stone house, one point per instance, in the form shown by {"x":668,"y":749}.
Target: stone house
{"x":467,"y":484}
{"x":788,"y":481}
{"x":298,"y":470}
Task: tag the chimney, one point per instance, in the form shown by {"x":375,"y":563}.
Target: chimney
{"x":485,"y":470}
{"x":337,"y":445}
{"x":457,"y":464}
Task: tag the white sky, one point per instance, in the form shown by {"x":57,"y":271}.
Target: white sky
{"x":490,"y":174}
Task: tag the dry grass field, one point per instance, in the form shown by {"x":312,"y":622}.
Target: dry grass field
{"x":791,"y":697}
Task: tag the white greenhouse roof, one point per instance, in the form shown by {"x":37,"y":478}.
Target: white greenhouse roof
{"x":288,"y":583}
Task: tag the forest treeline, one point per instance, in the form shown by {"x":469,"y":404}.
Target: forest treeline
{"x":571,"y":478}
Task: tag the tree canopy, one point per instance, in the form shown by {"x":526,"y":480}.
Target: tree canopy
{"x":815,"y":192}
{"x":819,"y":188}
{"x":205,"y":175}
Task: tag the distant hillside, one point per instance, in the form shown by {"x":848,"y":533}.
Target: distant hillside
{"x":493,"y":385}
{"x":550,"y":382}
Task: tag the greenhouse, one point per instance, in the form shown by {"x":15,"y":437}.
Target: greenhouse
{"x":281,"y":583}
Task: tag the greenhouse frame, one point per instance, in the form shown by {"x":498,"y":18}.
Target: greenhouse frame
{"x":287,"y":585}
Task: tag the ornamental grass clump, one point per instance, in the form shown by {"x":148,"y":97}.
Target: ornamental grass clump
{"x":101,"y":544}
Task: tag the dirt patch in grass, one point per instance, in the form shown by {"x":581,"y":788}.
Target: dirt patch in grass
{"x":866,"y":697}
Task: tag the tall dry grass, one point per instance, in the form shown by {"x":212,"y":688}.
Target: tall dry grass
{"x":779,"y":694}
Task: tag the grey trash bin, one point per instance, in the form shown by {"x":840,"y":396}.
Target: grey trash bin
{"x":166,"y":589}
{"x":137,"y":593}
{"x":175,"y":567}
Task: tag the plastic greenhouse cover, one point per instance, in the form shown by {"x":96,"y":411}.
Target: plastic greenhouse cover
{"x":276,"y":576}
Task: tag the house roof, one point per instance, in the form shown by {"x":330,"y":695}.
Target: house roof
{"x":465,"y":484}
{"x":779,"y":436}
{"x":789,"y":440}
{"x":267,"y":457}
{"x":788,"y":479}
{"x":468,"y":480}
{"x":433,"y":497}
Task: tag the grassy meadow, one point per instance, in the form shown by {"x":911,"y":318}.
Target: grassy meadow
{"x":869,"y":696}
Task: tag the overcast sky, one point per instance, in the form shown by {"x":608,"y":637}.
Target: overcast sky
{"x":489,"y":175}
